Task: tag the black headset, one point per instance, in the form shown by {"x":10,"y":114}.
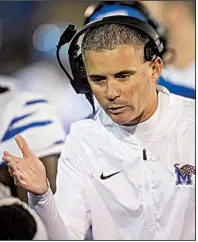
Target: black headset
{"x":92,"y":9}
{"x":79,"y":82}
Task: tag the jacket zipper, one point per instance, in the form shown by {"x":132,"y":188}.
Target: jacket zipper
{"x":144,"y":155}
{"x":147,"y":194}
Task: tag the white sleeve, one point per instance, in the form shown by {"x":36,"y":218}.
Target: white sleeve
{"x":45,"y":207}
{"x":38,"y":123}
{"x":69,"y":201}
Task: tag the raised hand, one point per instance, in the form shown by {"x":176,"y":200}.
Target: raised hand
{"x":28,"y":172}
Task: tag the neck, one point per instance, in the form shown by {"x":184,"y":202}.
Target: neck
{"x":147,"y":113}
{"x":184,"y":44}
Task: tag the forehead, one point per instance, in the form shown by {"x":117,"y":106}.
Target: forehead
{"x":121,"y":58}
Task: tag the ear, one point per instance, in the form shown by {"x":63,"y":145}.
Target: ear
{"x":157,"y":65}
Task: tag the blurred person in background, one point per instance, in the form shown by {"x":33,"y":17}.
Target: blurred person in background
{"x":35,"y":118}
{"x":41,"y":74}
{"x":29,"y":114}
{"x":179,"y":19}
{"x":178,"y":74}
{"x":19,"y":222}
{"x":4,"y":191}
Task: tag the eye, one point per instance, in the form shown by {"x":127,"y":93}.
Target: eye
{"x":123,"y":76}
{"x":97,"y":79}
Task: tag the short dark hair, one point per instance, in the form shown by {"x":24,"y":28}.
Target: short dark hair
{"x":110,"y":36}
{"x":16,"y":223}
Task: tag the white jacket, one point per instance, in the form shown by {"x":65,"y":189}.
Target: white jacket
{"x":142,"y":201}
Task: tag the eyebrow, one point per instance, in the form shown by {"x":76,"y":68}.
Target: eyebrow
{"x":131,"y":72}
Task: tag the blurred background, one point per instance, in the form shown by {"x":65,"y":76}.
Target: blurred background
{"x":29,"y":33}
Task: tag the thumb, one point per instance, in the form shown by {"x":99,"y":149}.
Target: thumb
{"x":22,"y":144}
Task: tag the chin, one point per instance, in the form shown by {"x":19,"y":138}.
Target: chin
{"x":120,"y":120}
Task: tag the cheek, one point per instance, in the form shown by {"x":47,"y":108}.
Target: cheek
{"x":136,"y":91}
{"x":145,"y":83}
{"x":99,"y":94}
{"x":132,"y":90}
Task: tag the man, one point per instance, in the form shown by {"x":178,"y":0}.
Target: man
{"x":178,"y":76}
{"x":33,"y":117}
{"x":121,"y":171}
{"x":19,"y":222}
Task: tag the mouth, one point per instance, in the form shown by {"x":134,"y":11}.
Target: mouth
{"x":116,"y":110}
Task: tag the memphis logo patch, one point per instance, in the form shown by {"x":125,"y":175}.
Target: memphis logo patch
{"x":184,"y":174}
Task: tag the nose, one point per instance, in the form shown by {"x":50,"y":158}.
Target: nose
{"x":112,"y":91}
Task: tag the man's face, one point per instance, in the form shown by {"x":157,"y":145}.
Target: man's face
{"x":122,"y":82}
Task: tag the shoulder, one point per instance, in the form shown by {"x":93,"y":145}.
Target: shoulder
{"x":84,"y":137}
{"x":183,"y":107}
{"x":179,"y":115}
{"x":91,"y":128}
{"x":34,"y":105}
{"x":30,"y":99}
{"x":33,"y":117}
{"x":186,"y":107}
{"x":185,"y":126}
{"x":88,"y":128}
{"x":16,"y":103}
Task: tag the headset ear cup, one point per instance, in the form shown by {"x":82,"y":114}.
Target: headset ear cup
{"x":73,"y":67}
{"x":83,"y":75}
{"x":150,"y":51}
{"x":80,"y":82}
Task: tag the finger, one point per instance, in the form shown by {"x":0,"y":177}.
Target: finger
{"x":10,"y":171}
{"x":8,"y":160}
{"x":10,"y":163}
{"x":19,"y":179}
{"x":13,"y":157}
{"x":22,"y":144}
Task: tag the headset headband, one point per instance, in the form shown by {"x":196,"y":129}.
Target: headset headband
{"x":93,"y":10}
{"x":135,"y":23}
